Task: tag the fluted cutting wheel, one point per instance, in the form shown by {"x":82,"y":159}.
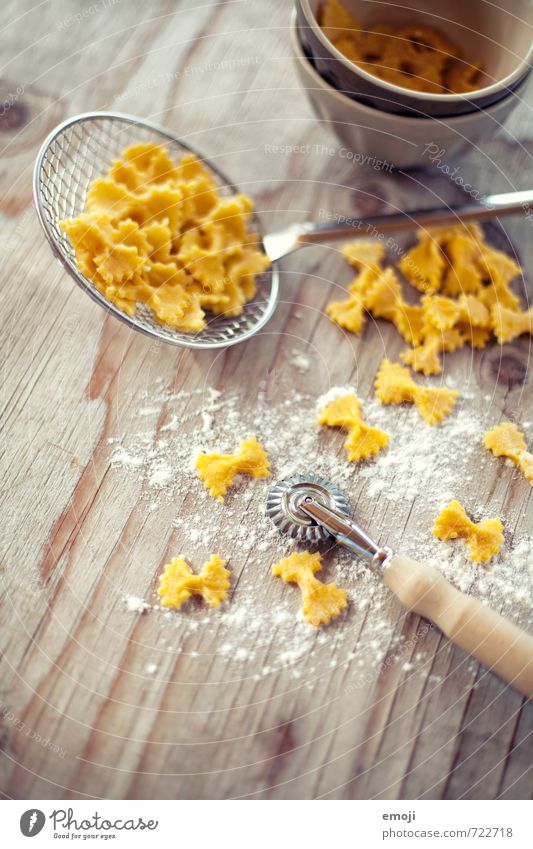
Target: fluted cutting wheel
{"x":284,"y":500}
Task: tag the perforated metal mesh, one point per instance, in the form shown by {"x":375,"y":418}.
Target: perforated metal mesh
{"x":83,"y":148}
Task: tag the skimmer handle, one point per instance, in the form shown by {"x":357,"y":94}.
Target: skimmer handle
{"x":284,"y":242}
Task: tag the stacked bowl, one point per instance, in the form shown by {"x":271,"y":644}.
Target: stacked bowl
{"x":383,"y":121}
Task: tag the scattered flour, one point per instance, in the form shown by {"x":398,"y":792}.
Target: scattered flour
{"x":300,"y":361}
{"x":396,"y":495}
{"x":136,"y":604}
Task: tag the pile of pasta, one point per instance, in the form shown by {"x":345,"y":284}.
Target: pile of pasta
{"x":158,"y":232}
{"x":466,"y":294}
{"x":414,"y":56}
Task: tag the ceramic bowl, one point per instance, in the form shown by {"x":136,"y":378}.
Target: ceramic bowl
{"x":500,"y":36}
{"x":370,"y":136}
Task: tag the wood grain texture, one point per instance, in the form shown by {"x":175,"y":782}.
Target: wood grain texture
{"x":75,"y":532}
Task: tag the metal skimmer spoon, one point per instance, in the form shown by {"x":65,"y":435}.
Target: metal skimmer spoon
{"x":82,"y":148}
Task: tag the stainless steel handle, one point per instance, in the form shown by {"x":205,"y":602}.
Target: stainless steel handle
{"x":347,"y":533}
{"x":284,"y":242}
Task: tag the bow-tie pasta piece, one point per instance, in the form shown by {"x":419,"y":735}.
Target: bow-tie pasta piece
{"x":384,"y":299}
{"x":364,"y":254}
{"x":474,"y":313}
{"x":426,"y":358}
{"x":409,"y":322}
{"x":506,"y":440}
{"x":424,"y":264}
{"x":499,"y":270}
{"x":178,"y":582}
{"x":384,"y":294}
{"x":462,"y":249}
{"x":464,"y":313}
{"x":508,"y":324}
{"x":349,"y":313}
{"x":441,"y":313}
{"x":394,"y":385}
{"x":447,"y":325}
{"x":320,"y":602}
{"x":337,"y":21}
{"x":219,"y":470}
{"x":484,"y":539}
{"x":362,"y":441}
{"x":158,"y":232}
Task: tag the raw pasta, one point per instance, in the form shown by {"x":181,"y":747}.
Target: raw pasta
{"x":484,"y":539}
{"x":467,"y":295}
{"x":505,"y":440}
{"x":364,"y":253}
{"x":362,"y":441}
{"x":508,"y":324}
{"x":178,"y":582}
{"x":414,"y":55}
{"x":394,"y":385}
{"x":159,"y":233}
{"x":320,"y":602}
{"x":218,"y":470}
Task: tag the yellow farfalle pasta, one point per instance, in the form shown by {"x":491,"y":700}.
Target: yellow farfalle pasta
{"x":470,"y":294}
{"x":498,"y":267}
{"x":508,"y":324}
{"x":158,"y":232}
{"x":362,"y":441}
{"x":364,"y":253}
{"x":473,"y":313}
{"x":178,"y":582}
{"x":447,"y":325}
{"x":462,"y":249}
{"x":506,"y":440}
{"x":384,"y":299}
{"x":499,"y":270}
{"x":484,"y":539}
{"x":478,"y":337}
{"x":394,"y":385}
{"x":413,"y":55}
{"x":443,"y":313}
{"x":440,"y":312}
{"x":320,"y":602}
{"x":337,"y":21}
{"x":424,"y":264}
{"x":409,"y":322}
{"x":218,"y":470}
{"x":426,"y":357}
{"x":383,"y":293}
{"x":349,"y":313}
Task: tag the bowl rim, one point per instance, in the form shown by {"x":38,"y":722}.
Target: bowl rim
{"x":392,"y":117}
{"x":476,"y":94}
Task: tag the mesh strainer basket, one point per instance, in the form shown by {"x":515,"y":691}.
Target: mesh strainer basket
{"x":83,"y":148}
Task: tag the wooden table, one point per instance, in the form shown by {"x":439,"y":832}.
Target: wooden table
{"x":82,"y":713}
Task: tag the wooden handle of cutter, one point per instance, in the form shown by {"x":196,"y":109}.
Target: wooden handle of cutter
{"x":480,"y":631}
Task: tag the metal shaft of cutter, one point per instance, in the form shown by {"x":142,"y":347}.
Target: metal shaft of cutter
{"x":346,"y":532}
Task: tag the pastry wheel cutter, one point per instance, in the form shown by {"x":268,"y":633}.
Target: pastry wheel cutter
{"x":312,"y":510}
